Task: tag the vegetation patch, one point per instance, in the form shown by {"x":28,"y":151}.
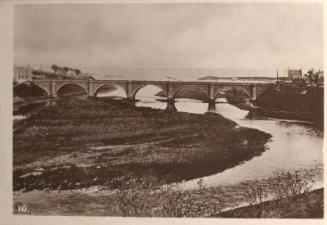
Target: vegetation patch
{"x":116,"y":145}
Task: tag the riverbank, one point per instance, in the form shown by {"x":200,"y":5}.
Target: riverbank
{"x":293,"y":102}
{"x":113,"y":144}
{"x":284,"y":102}
{"x":291,"y":198}
{"x":306,"y":205}
{"x":26,"y":105}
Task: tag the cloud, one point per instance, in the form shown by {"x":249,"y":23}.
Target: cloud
{"x":169,"y":35}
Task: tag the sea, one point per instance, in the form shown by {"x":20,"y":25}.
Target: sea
{"x":173,"y":73}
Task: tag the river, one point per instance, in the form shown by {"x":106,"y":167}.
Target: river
{"x":294,"y":146}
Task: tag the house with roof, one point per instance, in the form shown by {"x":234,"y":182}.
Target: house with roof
{"x":293,"y":74}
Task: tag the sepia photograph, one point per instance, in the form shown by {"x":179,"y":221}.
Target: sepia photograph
{"x":197,"y":110}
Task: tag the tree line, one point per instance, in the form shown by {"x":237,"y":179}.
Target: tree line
{"x":313,"y":76}
{"x":64,"y":70}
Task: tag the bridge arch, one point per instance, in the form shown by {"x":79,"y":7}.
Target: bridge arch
{"x":65,"y":84}
{"x":137,"y":89}
{"x":240,"y":89}
{"x":202,"y":90}
{"x":146,"y":95}
{"x":25,"y":82}
{"x":31,"y":89}
{"x":44,"y":88}
{"x":117,"y":86}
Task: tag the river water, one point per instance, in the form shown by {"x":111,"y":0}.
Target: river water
{"x":294,"y":146}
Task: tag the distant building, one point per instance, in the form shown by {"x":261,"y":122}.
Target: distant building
{"x":294,"y":74}
{"x":320,"y":79}
{"x":22,"y":74}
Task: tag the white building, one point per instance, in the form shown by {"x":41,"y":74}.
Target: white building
{"x":294,"y":74}
{"x":22,"y":74}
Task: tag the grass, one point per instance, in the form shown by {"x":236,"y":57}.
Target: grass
{"x":113,"y":144}
{"x":147,"y":200}
{"x":301,"y":103}
{"x":305,"y":205}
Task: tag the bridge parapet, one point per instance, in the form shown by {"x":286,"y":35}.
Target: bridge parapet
{"x":170,"y":88}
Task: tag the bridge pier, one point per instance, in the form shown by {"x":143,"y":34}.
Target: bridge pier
{"x":212,"y":100}
{"x":171,"y":105}
{"x":90,"y":90}
{"x":53,"y":93}
{"x":130,"y":98}
{"x":54,"y":96}
{"x":253,"y":92}
{"x":211,"y":105}
{"x":129,"y":91}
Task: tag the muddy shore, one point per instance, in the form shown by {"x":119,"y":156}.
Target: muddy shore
{"x":150,"y":201}
{"x":108,"y":158}
{"x":83,"y":143}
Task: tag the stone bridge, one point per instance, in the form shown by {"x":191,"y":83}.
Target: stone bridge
{"x":170,"y":88}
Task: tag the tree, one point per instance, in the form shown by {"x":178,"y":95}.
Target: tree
{"x":313,"y":76}
{"x":60,"y":70}
{"x":77,"y":71}
{"x":316,"y":77}
{"x":310,"y":75}
{"x":65,"y":70}
{"x":55,"y":68}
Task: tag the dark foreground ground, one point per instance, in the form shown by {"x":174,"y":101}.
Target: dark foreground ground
{"x":103,"y":157}
{"x":111,"y":143}
{"x":206,"y":202}
{"x":308,"y":205}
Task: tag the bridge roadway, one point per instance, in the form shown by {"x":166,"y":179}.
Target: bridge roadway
{"x":170,"y":88}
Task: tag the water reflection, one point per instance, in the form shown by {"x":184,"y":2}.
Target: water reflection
{"x":147,"y":97}
{"x":294,"y":145}
{"x":19,"y":117}
{"x":111,"y":91}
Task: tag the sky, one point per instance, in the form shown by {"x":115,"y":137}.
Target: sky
{"x":211,"y":36}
